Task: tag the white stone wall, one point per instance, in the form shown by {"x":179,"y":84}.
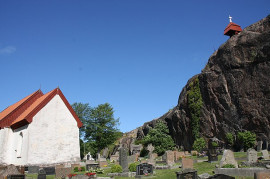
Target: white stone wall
{"x":52,"y":137}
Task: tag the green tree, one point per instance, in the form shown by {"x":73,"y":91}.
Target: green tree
{"x":199,"y":144}
{"x":83,"y":111}
{"x":229,"y":139}
{"x":159,"y":137}
{"x":101,"y":129}
{"x":246,"y":139}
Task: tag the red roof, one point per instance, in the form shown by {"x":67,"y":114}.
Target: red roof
{"x":232,"y":29}
{"x":22,"y":112}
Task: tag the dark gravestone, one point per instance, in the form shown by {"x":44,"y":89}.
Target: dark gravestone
{"x":41,"y":174}
{"x":33,"y":169}
{"x":212,"y":155}
{"x":144,"y":169}
{"x":16,"y":177}
{"x":123,"y":159}
{"x":187,"y":174}
{"x":49,"y":170}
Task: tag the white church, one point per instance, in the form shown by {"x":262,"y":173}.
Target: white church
{"x":40,"y":129}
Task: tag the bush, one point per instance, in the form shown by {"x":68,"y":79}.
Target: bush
{"x":199,"y":144}
{"x":116,"y":169}
{"x":76,"y":169}
{"x":214,"y":144}
{"x":228,"y":166}
{"x":246,"y":139}
{"x":132,"y":167}
{"x":229,"y":139}
{"x":83,"y":169}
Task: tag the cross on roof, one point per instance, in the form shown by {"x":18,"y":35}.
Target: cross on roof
{"x":230,"y":17}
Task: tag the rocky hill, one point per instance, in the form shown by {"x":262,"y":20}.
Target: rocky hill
{"x":232,"y":93}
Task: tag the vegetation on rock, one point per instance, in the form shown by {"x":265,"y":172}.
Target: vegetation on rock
{"x":194,"y":105}
{"x":246,"y":139}
{"x":199,"y":144}
{"x":159,"y":137}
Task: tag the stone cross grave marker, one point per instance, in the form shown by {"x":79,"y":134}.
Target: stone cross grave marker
{"x":123,"y":159}
{"x":150,"y":148}
{"x":265,"y":154}
{"x":252,"y":156}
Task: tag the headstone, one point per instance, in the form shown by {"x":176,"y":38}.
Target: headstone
{"x":259,"y":146}
{"x":136,"y":149}
{"x":123,"y":159}
{"x":228,"y":158}
{"x":194,"y":153}
{"x":265,"y":154}
{"x":132,"y":159}
{"x":41,"y":174}
{"x":178,"y":155}
{"x":16,"y":176}
{"x":49,"y":170}
{"x":150,"y":148}
{"x":187,"y":163}
{"x":93,"y":166}
{"x":62,"y":172}
{"x":252,"y":156}
{"x":102,"y":163}
{"x":9,"y":170}
{"x":144,"y":169}
{"x":33,"y":169}
{"x":169,"y":157}
{"x":187,"y":153}
{"x":114,"y":158}
{"x":262,"y":175}
{"x":105,"y":152}
{"x":212,"y":155}
{"x":187,"y":174}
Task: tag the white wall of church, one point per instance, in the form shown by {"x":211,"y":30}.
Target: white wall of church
{"x":53,"y":135}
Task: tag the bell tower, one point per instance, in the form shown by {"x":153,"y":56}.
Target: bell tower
{"x":232,"y":28}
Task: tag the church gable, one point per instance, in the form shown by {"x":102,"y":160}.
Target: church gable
{"x":22,"y":112}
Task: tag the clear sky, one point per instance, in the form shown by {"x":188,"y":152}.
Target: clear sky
{"x":136,"y":55}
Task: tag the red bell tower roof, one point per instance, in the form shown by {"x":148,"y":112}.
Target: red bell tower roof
{"x":232,"y":28}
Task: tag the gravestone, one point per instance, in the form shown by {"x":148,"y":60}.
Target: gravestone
{"x":114,"y":158}
{"x":262,"y":175}
{"x":9,"y":170}
{"x":212,"y":155}
{"x":41,"y":174}
{"x":178,"y":155}
{"x":136,"y":149}
{"x":92,"y":166}
{"x":105,"y":152}
{"x":265,"y":154}
{"x":252,"y":156}
{"x":259,"y":146}
{"x":228,"y":158}
{"x":33,"y":169}
{"x":131,"y":159}
{"x":49,"y":170}
{"x":123,"y":159}
{"x":187,"y":163}
{"x":144,"y":169}
{"x":150,"y":148}
{"x":62,"y":172}
{"x":187,"y":174}
{"x":169,"y":157}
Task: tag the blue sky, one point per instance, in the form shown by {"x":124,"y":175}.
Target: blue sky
{"x":136,"y":55}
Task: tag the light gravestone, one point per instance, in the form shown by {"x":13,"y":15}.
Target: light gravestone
{"x":151,"y":160}
{"x":259,"y":146}
{"x":187,"y":163}
{"x":123,"y":159}
{"x":228,"y":158}
{"x":265,"y":154}
{"x":252,"y":156}
{"x":169,"y":157}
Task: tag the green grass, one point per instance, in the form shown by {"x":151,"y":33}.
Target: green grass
{"x":205,"y":167}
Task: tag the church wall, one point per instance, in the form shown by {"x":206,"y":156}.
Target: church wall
{"x":53,"y":135}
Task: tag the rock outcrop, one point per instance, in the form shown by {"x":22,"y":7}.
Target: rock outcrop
{"x":232,"y":93}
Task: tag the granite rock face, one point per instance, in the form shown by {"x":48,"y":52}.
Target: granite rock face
{"x":234,"y":88}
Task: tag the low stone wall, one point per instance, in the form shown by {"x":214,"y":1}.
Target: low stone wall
{"x":247,"y":172}
{"x":124,"y":174}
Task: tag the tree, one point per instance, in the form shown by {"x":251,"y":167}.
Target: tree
{"x":83,"y":111}
{"x":199,"y":144}
{"x":101,"y":129}
{"x":229,"y":139}
{"x":246,"y":139}
{"x":159,"y":137}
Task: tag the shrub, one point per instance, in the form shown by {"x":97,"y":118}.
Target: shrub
{"x":132,"y":167}
{"x":228,"y":166}
{"x":246,"y":139}
{"x":76,"y":169}
{"x":214,"y":144}
{"x":229,"y":139}
{"x":82,"y":169}
{"x":116,"y":169}
{"x":199,"y":144}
